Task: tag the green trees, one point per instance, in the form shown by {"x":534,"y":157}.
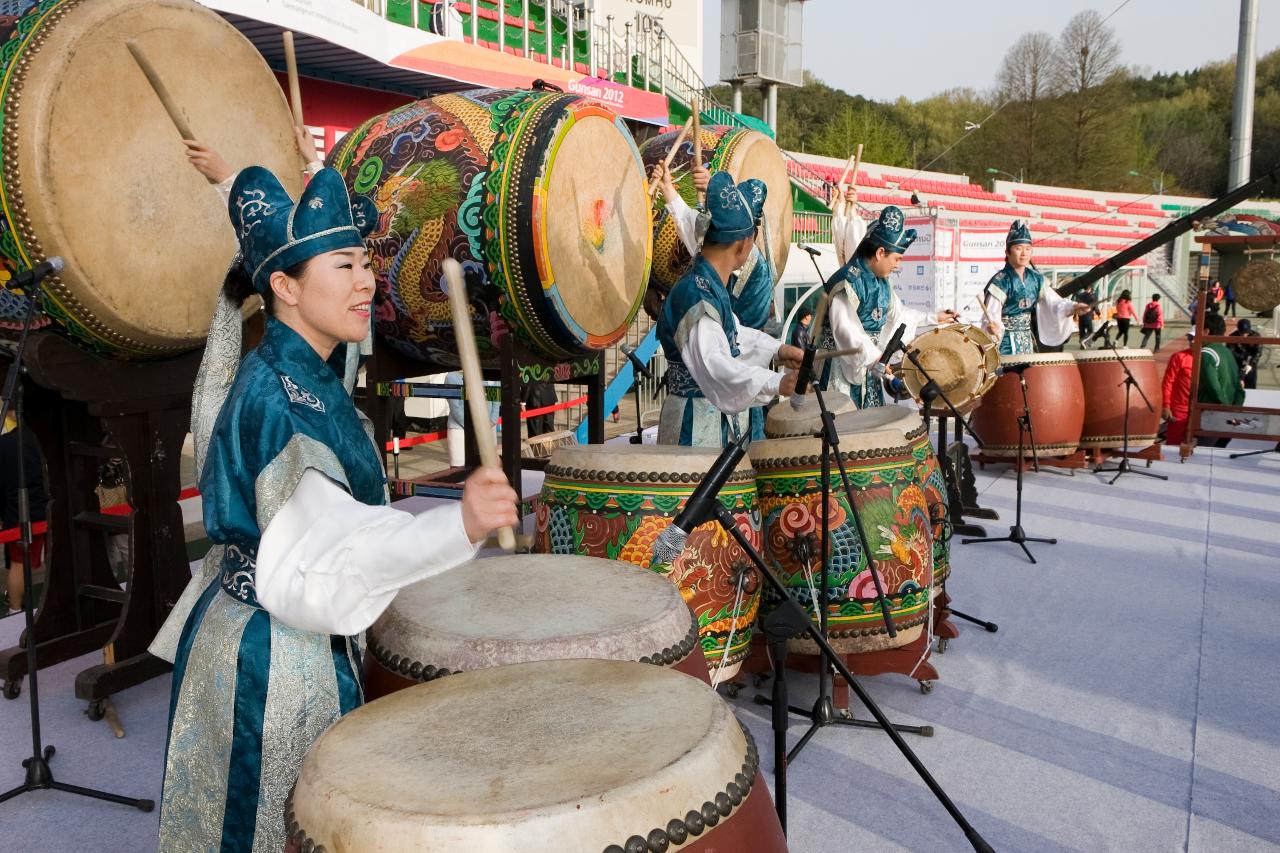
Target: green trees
{"x":1061,"y":110}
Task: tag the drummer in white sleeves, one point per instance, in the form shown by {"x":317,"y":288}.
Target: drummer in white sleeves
{"x":847,"y":225}
{"x":717,"y":368}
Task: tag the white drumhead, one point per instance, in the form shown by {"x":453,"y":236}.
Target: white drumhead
{"x":599,"y":459}
{"x":532,"y":607}
{"x":788,"y":419}
{"x":898,"y":418}
{"x":1086,"y":356}
{"x":554,"y":755}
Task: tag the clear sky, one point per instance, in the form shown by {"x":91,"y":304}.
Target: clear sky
{"x":931,"y":45}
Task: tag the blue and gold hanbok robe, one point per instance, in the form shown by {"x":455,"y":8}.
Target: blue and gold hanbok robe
{"x":1010,"y":301}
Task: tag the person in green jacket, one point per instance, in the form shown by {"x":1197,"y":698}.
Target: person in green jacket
{"x":1219,"y":374}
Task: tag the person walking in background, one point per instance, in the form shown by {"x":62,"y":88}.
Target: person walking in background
{"x":1124,"y":316}
{"x":1229,"y":301}
{"x":1152,"y":322}
{"x":1246,"y":355}
{"x":33,"y":468}
{"x":1084,"y":322}
{"x":1215,"y":297}
{"x":800,"y":334}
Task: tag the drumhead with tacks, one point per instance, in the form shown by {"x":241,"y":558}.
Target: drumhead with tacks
{"x":899,"y":418}
{"x":1034,"y":358}
{"x":787,"y":419}
{"x":784,"y":452}
{"x":961,"y":359}
{"x":657,"y":463}
{"x":1086,"y":356}
{"x":532,"y":607}
{"x":553,"y":755}
{"x":95,"y":170}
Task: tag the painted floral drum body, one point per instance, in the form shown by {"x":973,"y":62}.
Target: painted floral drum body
{"x":94,"y":170}
{"x":577,"y":755}
{"x":539,"y":195}
{"x":743,"y":154}
{"x":529,"y":607}
{"x":790,"y":422}
{"x":1055,"y":397}
{"x":603,"y":501}
{"x":1104,"y":398}
{"x":892,"y":504}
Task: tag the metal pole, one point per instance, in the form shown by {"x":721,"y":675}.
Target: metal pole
{"x":502,"y":26}
{"x":773,"y":107}
{"x":736,"y":85}
{"x":548,"y":27}
{"x":524,"y":36}
{"x":592,"y":54}
{"x":627,"y":52}
{"x":662,"y":62}
{"x":1242,"y":108}
{"x":609,"y":57}
{"x":474,"y":18}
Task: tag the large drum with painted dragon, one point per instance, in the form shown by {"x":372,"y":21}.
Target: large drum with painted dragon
{"x":95,"y":171}
{"x":606,"y":501}
{"x":743,"y":154}
{"x":890,"y":500}
{"x":539,"y":195}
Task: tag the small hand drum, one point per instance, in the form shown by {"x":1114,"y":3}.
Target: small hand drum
{"x":962,"y":359}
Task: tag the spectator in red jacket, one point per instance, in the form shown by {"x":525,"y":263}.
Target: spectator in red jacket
{"x":1152,"y":321}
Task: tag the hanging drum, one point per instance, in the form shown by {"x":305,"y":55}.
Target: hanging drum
{"x":960,"y":358}
{"x":743,"y":154}
{"x":95,"y":171}
{"x":1257,"y":286}
{"x":540,"y":196}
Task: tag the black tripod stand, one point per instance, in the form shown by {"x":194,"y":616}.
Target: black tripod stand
{"x":795,"y":616}
{"x":776,"y":625}
{"x":1275,"y":449}
{"x":1123,"y":466}
{"x":38,"y":774}
{"x":1017,"y":535}
{"x":929,"y":392}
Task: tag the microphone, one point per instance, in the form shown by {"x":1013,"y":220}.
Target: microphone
{"x":895,"y":343}
{"x":700,"y":507}
{"x":630,"y":352}
{"x":42,"y":270}
{"x":1101,"y":330}
{"x":805,"y":247}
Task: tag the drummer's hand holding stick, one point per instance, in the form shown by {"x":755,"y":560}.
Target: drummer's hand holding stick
{"x":945,"y":316}
{"x":488,"y":503}
{"x":207,"y":161}
{"x":307,"y":150}
{"x":790,"y":356}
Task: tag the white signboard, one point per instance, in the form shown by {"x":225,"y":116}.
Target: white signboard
{"x":681,"y":20}
{"x":925,"y":279}
{"x":981,"y":256}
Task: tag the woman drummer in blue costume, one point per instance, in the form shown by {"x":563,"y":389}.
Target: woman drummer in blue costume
{"x":864,"y":311}
{"x":1017,"y":290}
{"x":750,"y":285}
{"x":717,"y":368}
{"x":306,"y":553}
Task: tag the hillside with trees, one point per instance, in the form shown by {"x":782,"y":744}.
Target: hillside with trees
{"x":1062,"y":110}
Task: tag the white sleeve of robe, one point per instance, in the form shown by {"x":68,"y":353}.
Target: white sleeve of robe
{"x":330,"y":564}
{"x":732,"y":385}
{"x":847,"y":231}
{"x":848,"y":332}
{"x":686,"y":219}
{"x":1055,"y":317}
{"x":993,"y":318}
{"x":914,"y":319}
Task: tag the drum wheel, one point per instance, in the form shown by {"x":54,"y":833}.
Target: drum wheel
{"x":12,"y":689}
{"x":926,"y":687}
{"x":943,"y":642}
{"x":96,"y":711}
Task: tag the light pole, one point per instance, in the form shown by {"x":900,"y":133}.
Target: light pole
{"x":1157,"y":185}
{"x":991,"y":171}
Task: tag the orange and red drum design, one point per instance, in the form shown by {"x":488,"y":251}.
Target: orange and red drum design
{"x":1104,"y":398}
{"x":605,"y":502}
{"x":1055,"y":397}
{"x":891,"y":502}
{"x":539,"y":195}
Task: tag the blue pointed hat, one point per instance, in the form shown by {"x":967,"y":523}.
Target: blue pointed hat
{"x":276,"y":234}
{"x":887,"y":231}
{"x":1019,"y":234}
{"x":734,"y":209}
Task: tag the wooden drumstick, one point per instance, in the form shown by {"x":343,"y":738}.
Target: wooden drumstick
{"x":985,"y":315}
{"x":473,"y":381}
{"x":666,"y":163}
{"x":291,"y":71}
{"x":697,"y":146}
{"x":157,"y":86}
{"x":851,"y":169}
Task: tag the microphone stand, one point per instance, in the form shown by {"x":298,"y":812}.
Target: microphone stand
{"x":1017,"y":535}
{"x":928,"y":392}
{"x":1123,"y":466}
{"x":38,"y":774}
{"x":797,"y":616}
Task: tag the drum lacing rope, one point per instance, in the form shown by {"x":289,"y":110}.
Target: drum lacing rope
{"x":733,"y":626}
{"x":928,"y":623}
